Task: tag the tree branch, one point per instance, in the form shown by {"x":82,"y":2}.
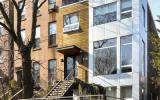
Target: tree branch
{"x":10,"y":31}
{"x":34,"y":23}
{"x":42,"y":3}
{"x":15,"y":4}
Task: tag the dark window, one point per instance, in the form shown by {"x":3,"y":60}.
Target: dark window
{"x":36,"y":73}
{"x":126,"y":54}
{"x":126,"y":9}
{"x":106,"y":13}
{"x":52,"y":34}
{"x":67,"y":2}
{"x":105,"y":57}
{"x":111,"y":92}
{"x":37,"y":38}
{"x":51,"y":70}
{"x":126,"y":92}
{"x":1,"y":55}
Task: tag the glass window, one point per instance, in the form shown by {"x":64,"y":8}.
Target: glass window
{"x":105,"y":13}
{"x":51,"y":4}
{"x":52,"y":34}
{"x":126,"y":8}
{"x":126,"y":53}
{"x":126,"y":92}
{"x":67,"y":2}
{"x":1,"y":55}
{"x":71,"y":19}
{"x":37,"y":38}
{"x":111,"y":92}
{"x":23,"y":12}
{"x":51,"y":70}
{"x":105,"y":57}
{"x":36,"y":72}
{"x":52,"y":28}
{"x":23,"y":35}
{"x":1,"y":27}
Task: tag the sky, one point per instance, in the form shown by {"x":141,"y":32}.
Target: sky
{"x":155,"y":8}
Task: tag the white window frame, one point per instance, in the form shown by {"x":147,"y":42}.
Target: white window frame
{"x":129,"y":65}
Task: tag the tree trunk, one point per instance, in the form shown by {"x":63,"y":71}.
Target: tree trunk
{"x":27,"y":80}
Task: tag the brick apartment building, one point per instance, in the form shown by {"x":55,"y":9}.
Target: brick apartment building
{"x":61,"y":46}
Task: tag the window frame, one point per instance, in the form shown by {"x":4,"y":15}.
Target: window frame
{"x":78,"y":16}
{"x":36,"y":82}
{"x":54,"y":73}
{"x":129,"y":10}
{"x":37,"y":39}
{"x":94,"y":15}
{"x":52,"y":36}
{"x":129,"y":66}
{"x":100,"y":48}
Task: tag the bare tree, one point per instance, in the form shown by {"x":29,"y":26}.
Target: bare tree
{"x":24,"y":48}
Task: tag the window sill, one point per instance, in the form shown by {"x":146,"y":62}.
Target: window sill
{"x":52,"y":46}
{"x":35,"y":49}
{"x":74,"y":3}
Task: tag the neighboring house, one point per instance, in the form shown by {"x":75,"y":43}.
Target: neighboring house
{"x":44,"y":48}
{"x":118,"y":42}
{"x":6,"y":50}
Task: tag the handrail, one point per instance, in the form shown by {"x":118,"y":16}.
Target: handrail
{"x":59,"y":82}
{"x":16,"y":94}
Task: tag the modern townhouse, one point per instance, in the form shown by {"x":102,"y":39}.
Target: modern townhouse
{"x":118,"y":42}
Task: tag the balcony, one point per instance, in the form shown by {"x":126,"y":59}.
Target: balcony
{"x":71,"y":27}
{"x":68,"y":2}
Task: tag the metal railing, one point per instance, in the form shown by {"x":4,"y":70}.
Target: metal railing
{"x":82,"y":97}
{"x":68,"y":77}
{"x":17,"y":95}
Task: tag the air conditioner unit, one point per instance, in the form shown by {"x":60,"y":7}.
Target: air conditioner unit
{"x":72,"y":27}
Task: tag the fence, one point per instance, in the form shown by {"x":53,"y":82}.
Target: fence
{"x":85,"y":97}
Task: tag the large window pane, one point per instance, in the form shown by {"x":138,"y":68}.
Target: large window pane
{"x":67,"y":2}
{"x":126,"y":92}
{"x":105,"y":57}
{"x":36,"y":73}
{"x":126,"y":8}
{"x":105,"y":13}
{"x":71,"y":19}
{"x":111,"y":92}
{"x":126,"y":53}
{"x":51,"y":70}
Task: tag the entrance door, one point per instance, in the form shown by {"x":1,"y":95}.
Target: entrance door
{"x":69,"y":66}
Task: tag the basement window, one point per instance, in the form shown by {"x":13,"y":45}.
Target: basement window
{"x":126,"y":92}
{"x":36,"y":73}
